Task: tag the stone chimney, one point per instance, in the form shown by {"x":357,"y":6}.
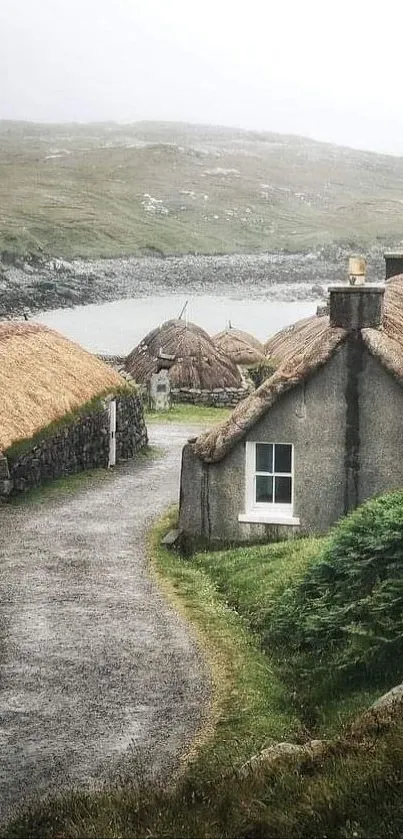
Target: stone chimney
{"x":355,"y":306}
{"x":393,"y":264}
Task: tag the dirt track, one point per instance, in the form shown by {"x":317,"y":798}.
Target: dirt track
{"x":96,"y":670}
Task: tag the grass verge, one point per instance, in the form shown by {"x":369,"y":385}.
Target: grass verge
{"x":253,"y":579}
{"x":189,"y":414}
{"x":249,"y":704}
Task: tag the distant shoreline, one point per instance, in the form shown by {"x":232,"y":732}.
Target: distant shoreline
{"x":57,"y":283}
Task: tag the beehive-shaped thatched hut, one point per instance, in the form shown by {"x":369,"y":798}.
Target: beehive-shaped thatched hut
{"x":283,"y":346}
{"x":49,"y":389}
{"x":242,"y":348}
{"x":197,"y":363}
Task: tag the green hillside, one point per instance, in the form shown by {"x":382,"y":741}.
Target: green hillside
{"x":88,"y":190}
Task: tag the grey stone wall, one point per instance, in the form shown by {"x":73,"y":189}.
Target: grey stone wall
{"x":346,"y":424}
{"x":131,"y":431}
{"x":116,"y":361}
{"x":82,"y":444}
{"x":219,"y":397}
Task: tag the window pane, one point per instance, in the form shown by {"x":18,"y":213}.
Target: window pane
{"x":264,"y":457}
{"x":264,"y":488}
{"x":283,"y":491}
{"x":282,"y":457}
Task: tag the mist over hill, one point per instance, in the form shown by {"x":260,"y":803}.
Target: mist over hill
{"x":148,"y":188}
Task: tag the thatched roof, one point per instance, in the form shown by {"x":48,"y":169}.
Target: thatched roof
{"x":42,"y":377}
{"x":198,"y":363}
{"x":301,"y":350}
{"x":241,"y":347}
{"x":281,"y":346}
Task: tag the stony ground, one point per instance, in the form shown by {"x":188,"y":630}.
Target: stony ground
{"x":38,"y":285}
{"x":97,"y":672}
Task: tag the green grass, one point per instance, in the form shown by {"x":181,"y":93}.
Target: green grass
{"x":253,"y":579}
{"x":188,"y":414}
{"x":264,"y":191}
{"x":249,"y":701}
{"x":348,"y":793}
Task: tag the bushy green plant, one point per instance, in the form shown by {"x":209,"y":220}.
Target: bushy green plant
{"x":347,"y":611}
{"x":262,"y":371}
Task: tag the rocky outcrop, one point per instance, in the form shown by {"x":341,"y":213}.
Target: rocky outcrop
{"x":37,"y":282}
{"x":280,"y":752}
{"x":380,"y":716}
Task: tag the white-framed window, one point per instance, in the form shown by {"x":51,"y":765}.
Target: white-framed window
{"x":269,"y":483}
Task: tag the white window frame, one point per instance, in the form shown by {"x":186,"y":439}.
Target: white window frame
{"x":266,"y":511}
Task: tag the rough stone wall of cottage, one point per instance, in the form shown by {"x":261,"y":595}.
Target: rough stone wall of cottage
{"x":80,"y":445}
{"x":346,"y":424}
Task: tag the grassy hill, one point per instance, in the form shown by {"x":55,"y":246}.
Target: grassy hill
{"x":107,"y":189}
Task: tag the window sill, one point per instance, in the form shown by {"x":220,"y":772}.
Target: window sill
{"x":260,"y":517}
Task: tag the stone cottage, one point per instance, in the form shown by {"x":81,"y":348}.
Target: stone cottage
{"x":316,"y":439}
{"x":62,"y":409}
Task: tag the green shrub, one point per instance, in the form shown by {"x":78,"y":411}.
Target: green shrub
{"x":347,"y":612}
{"x":260,"y":372}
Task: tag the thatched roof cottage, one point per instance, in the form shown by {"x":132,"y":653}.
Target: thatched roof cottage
{"x":46,"y":382}
{"x":244,"y":349}
{"x":197,"y":365}
{"x":317,"y":438}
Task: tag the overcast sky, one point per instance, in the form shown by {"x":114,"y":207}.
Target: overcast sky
{"x":329,"y":70}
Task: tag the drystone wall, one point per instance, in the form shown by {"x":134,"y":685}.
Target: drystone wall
{"x":116,"y":361}
{"x":131,"y":432}
{"x":219,"y":397}
{"x":81,"y":444}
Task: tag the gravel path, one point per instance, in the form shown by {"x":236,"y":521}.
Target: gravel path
{"x":96,"y":670}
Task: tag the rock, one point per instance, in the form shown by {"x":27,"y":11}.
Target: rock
{"x":312,"y":750}
{"x":391,"y":699}
{"x":318,"y":291}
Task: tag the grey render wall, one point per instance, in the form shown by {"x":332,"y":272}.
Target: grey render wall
{"x":342,"y":455}
{"x":381,"y":430}
{"x":81,"y":444}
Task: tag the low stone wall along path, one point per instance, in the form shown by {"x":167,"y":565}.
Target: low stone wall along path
{"x":97,"y":672}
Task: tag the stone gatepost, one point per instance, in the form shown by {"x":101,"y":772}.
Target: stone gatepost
{"x":160,"y":391}
{"x":6,"y":484}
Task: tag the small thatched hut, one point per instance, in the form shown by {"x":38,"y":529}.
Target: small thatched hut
{"x":284,"y":344}
{"x":46,"y":382}
{"x":197,"y":364}
{"x":244,"y":349}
